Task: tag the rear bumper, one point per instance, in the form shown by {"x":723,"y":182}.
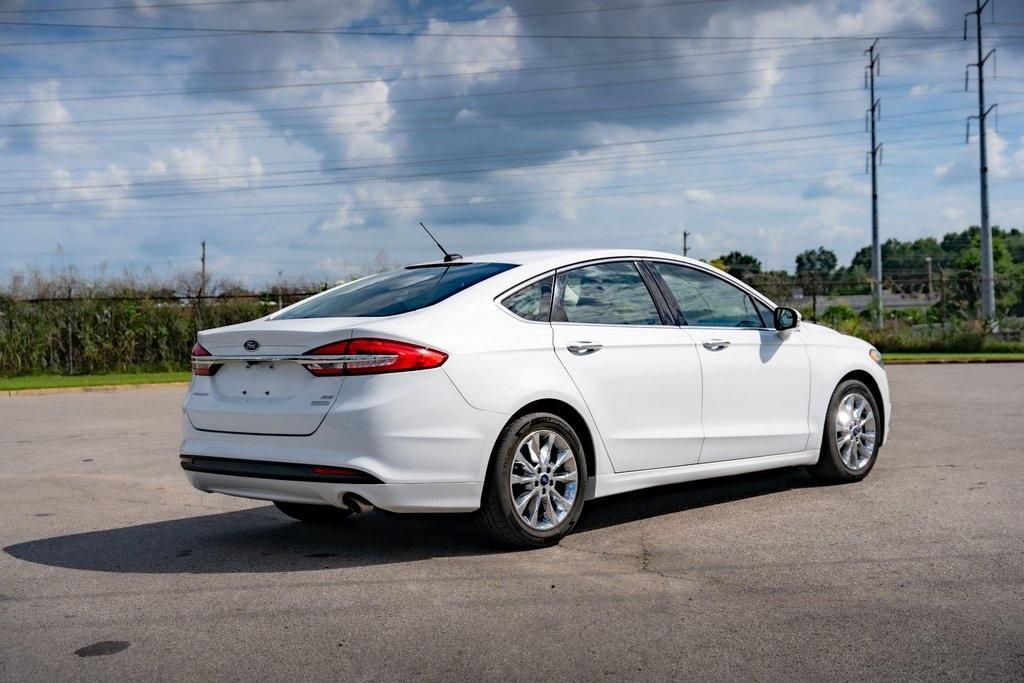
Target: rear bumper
{"x":436,"y":497}
{"x":412,"y":433}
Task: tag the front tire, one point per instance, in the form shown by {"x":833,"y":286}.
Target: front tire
{"x":313,"y":514}
{"x":536,"y":482}
{"x":849,"y":446}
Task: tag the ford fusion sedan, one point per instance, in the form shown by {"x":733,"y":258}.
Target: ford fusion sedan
{"x":521,"y":385}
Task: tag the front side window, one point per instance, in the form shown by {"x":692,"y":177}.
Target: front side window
{"x":767,"y":314}
{"x":706,"y":300}
{"x":605,"y":294}
{"x":532,"y":302}
{"x":394,"y":292}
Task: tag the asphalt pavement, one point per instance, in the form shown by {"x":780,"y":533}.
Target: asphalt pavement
{"x":113,"y":567}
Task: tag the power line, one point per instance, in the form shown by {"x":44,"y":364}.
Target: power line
{"x":697,"y":155}
{"x":604,"y":115}
{"x":188,"y":32}
{"x":669,"y":53}
{"x":543,"y":151}
{"x":207,"y":3}
{"x":366,"y":81}
{"x":448,"y":159}
{"x":432,"y":174}
{"x":162,"y":5}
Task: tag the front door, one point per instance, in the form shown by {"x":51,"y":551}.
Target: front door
{"x":640,"y":377}
{"x":756,"y":380}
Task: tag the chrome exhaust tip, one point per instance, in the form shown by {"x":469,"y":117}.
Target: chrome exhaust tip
{"x":356,"y":503}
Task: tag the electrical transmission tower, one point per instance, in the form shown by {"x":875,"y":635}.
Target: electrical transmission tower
{"x":874,"y":157}
{"x":988,"y":290}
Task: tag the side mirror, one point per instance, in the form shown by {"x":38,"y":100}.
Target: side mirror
{"x":786,"y":318}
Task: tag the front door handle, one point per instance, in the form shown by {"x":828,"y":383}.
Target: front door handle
{"x":716,"y":344}
{"x":584,"y":348}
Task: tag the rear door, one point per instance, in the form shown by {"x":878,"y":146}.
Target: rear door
{"x":639,"y":376}
{"x":756,"y":380}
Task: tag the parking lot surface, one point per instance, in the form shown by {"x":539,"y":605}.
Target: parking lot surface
{"x":113,"y":566}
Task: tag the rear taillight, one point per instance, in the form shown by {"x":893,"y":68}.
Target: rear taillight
{"x":372,"y":356}
{"x":199,"y":367}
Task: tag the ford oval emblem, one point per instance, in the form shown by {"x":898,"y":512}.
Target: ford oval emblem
{"x":251,"y":345}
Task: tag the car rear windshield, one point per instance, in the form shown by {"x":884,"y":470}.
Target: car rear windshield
{"x":397,"y":291}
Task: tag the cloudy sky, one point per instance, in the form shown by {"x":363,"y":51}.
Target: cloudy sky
{"x":306,"y":136}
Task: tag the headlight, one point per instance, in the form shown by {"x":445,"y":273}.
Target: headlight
{"x":876,"y":356}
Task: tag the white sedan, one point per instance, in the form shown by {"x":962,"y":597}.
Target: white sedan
{"x":521,"y":385}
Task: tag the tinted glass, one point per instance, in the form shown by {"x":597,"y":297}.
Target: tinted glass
{"x":607,"y":294}
{"x":532,"y":302}
{"x":398,"y":291}
{"x":706,"y":300}
{"x":767,"y":314}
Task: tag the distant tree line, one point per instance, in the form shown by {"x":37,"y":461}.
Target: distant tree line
{"x":64,"y":322}
{"x":955,"y":272}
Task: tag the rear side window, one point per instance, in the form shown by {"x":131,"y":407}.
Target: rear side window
{"x":532,"y":302}
{"x":606,"y":294}
{"x":706,"y":300}
{"x":398,"y":291}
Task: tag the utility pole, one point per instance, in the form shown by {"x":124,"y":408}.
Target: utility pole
{"x":873,"y":114}
{"x":928,"y":261}
{"x":202,"y":261}
{"x":686,"y":247}
{"x":202,"y":287}
{"x":988,"y":293}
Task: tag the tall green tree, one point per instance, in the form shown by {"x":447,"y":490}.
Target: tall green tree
{"x":814,"y":267}
{"x":741,"y":265}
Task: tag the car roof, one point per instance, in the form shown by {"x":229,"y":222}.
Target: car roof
{"x":552,"y":258}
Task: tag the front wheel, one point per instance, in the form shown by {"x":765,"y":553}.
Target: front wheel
{"x":536,"y":482}
{"x":849,"y":446}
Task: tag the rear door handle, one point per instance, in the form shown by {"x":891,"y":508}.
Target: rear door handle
{"x":583,"y":348}
{"x":716,"y":344}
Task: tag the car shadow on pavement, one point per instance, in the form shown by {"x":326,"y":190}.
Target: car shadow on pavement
{"x":263,"y":540}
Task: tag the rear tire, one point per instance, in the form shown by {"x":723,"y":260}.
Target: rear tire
{"x":535,"y":484}
{"x":849,"y":446}
{"x":313,"y":514}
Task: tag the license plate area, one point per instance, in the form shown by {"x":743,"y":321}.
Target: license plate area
{"x":261,"y":381}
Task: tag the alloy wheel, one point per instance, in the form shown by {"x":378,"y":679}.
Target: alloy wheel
{"x":855,"y":431}
{"x":543,"y":479}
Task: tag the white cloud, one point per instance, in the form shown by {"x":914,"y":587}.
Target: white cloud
{"x":41,"y":122}
{"x":955,"y":215}
{"x":109,"y":189}
{"x":698,"y":196}
{"x":218,"y":159}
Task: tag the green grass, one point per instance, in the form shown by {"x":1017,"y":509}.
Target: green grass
{"x":980,"y":357}
{"x":55,"y":381}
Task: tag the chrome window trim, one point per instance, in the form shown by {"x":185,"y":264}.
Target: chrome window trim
{"x":523,"y":285}
{"x":632,"y":260}
{"x":742,"y":286}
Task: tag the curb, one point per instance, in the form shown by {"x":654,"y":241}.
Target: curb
{"x":14,"y":393}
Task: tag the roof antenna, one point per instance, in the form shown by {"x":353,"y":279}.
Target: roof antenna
{"x":448,"y":258}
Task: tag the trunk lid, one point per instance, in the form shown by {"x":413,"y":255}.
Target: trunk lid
{"x":256,"y":394}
